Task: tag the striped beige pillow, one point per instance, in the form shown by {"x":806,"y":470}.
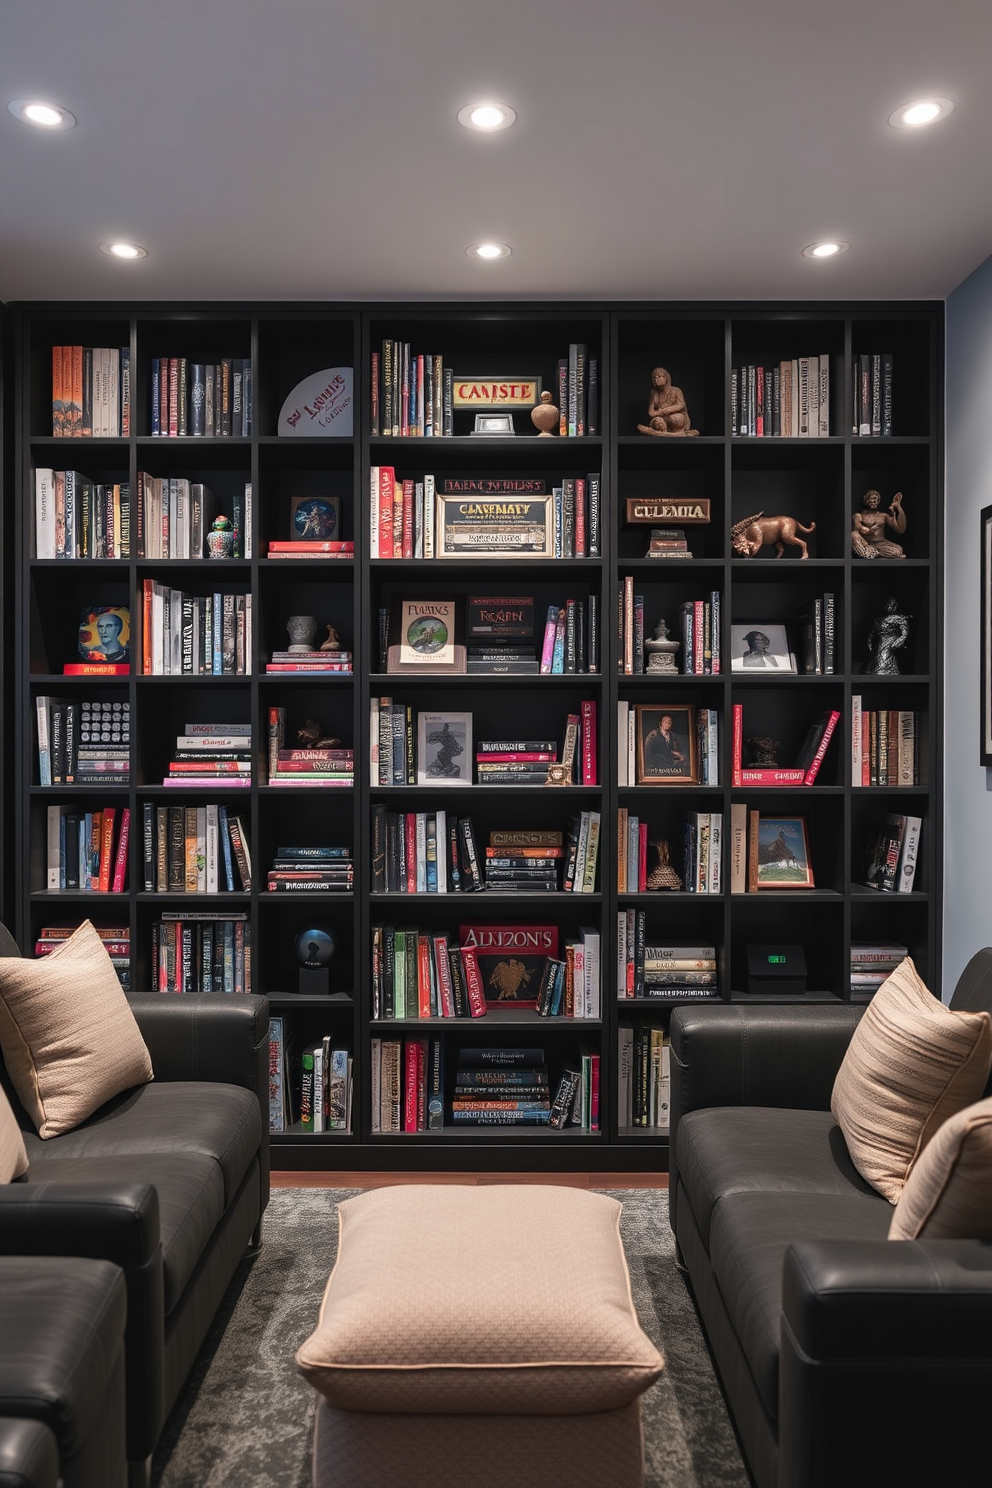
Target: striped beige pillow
{"x":911,"y":1065}
{"x":948,"y":1194}
{"x":69,"y":1038}
{"x":13,"y":1157}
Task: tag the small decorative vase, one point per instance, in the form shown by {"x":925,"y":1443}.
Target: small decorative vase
{"x":545,"y":416}
{"x":220,"y":539}
{"x":301,"y":629}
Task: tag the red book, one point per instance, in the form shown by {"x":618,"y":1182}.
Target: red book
{"x":473,"y":982}
{"x":698,"y":636}
{"x":306,"y":545}
{"x":387,"y":487}
{"x":173,"y":395}
{"x":738,"y":740}
{"x":106,"y":846}
{"x":770,"y":775}
{"x":410,"y":829}
{"x":828,"y":732}
{"x":96,"y":669}
{"x":589,"y":771}
{"x":580,"y":517}
{"x":410,"y":1085}
{"x":96,"y":838}
{"x":120,"y":867}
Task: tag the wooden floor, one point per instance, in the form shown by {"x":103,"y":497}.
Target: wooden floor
{"x":382,"y":1180}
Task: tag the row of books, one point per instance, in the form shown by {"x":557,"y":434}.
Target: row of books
{"x":571,"y":638}
{"x":430,"y":852}
{"x":578,"y":392}
{"x":891,"y":853}
{"x":325,"y":870}
{"x":871,"y":414}
{"x":435,"y":749}
{"x":332,"y":765}
{"x":195,"y":634}
{"x":87,"y":850}
{"x":411,"y":392}
{"x":194,"y":850}
{"x":816,"y":648}
{"x":83,"y":743}
{"x":807,"y":763}
{"x":671,"y":972}
{"x":76,"y":517}
{"x":873,"y":961}
{"x":198,"y":951}
{"x":218,"y":758}
{"x":212,"y":399}
{"x":310,"y":1091}
{"x":697,"y":629}
{"x":884,"y":745}
{"x":91,"y":392}
{"x":644,"y":1088}
{"x":174,"y":517}
{"x":116,"y":939}
{"x":788,"y":400}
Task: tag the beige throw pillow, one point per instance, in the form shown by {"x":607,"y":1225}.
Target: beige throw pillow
{"x":496,"y":1300}
{"x":13,"y":1158}
{"x":911,"y":1065}
{"x":948,"y":1194}
{"x":69,"y":1038}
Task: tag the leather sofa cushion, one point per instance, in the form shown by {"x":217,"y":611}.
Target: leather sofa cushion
{"x":220,"y":1122}
{"x":190,"y":1200}
{"x":13,"y":1157}
{"x":69,"y":1039}
{"x":62,"y":1324}
{"x":948,"y":1194}
{"x":749,"y":1235}
{"x":761,"y":1149}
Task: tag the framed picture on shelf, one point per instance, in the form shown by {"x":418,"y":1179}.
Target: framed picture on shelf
{"x":758,"y":647}
{"x":514,"y":526}
{"x":780,"y":852}
{"x":424,"y":636}
{"x":444,"y":749}
{"x":986,"y":754}
{"x":512,"y":960}
{"x":314,"y":518}
{"x":666,"y":744}
{"x":104,"y":634}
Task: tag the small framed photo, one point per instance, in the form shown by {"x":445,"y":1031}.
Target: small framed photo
{"x":494,"y":423}
{"x":782,"y":850}
{"x":424,"y":629}
{"x":105,"y":634}
{"x":314,"y":518}
{"x":761,"y":648}
{"x":666,"y":744}
{"x":444,"y":749}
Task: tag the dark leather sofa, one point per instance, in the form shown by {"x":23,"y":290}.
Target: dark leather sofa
{"x":169,"y":1181}
{"x":845,"y":1358}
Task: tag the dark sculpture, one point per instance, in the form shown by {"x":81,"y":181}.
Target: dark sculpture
{"x":443,"y":765}
{"x":312,"y":736}
{"x":868,"y":539}
{"x":889,"y":634}
{"x":663,"y":875}
{"x":761,"y":750}
{"x":750,"y":535}
{"x":667,"y":413}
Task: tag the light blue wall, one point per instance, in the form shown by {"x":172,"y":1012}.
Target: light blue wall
{"x":967,"y":784}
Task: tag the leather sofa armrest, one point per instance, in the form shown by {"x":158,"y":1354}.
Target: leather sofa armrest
{"x":870,"y":1330}
{"x":29,"y":1454}
{"x":108,"y":1221}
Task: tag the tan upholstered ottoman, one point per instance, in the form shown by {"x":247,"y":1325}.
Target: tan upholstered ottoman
{"x":478,"y":1336}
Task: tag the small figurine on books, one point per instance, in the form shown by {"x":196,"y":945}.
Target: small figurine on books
{"x":332,"y":643}
{"x":761,"y":750}
{"x":868,"y":539}
{"x":663,"y":875}
{"x":312,"y":736}
{"x":667,"y":413}
{"x":545,"y":416}
{"x":889,"y":634}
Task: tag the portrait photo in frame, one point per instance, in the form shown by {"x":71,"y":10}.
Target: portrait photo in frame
{"x":986,"y":678}
{"x":761,"y":648}
{"x":444,"y":749}
{"x":666,"y":744}
{"x":104,"y":634}
{"x":781,"y":846}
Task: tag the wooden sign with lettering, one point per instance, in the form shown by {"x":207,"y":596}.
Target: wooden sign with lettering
{"x":668,"y":509}
{"x":495,"y":392}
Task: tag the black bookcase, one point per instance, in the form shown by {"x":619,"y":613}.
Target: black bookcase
{"x":817,"y":480}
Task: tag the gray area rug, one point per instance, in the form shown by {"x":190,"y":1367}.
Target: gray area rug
{"x":245,"y":1415}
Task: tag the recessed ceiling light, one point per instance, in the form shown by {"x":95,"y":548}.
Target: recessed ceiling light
{"x":486,"y":116}
{"x":923,"y":111}
{"x":124,"y":250}
{"x":488,"y":250}
{"x":828,"y":249}
{"x":44,"y":115}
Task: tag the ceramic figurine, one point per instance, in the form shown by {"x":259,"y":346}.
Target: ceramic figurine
{"x":751,"y":534}
{"x":220,"y":539}
{"x":868,"y":539}
{"x":545,"y":416}
{"x":667,"y":413}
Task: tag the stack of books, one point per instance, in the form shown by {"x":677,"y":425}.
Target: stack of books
{"x":680,"y":971}
{"x":518,"y":860}
{"x":214,"y":755}
{"x":116,"y":941}
{"x":313,"y":767}
{"x":501,"y":1087}
{"x":871,"y":962}
{"x":514,"y":761}
{"x":199,"y":951}
{"x":84,"y":743}
{"x":311,"y":548}
{"x":500,"y":658}
{"x":310,"y":661}
{"x":668,"y":542}
{"x":194,"y":850}
{"x":325,"y":870}
{"x":88,"y":849}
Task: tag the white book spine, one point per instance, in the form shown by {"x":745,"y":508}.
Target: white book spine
{"x":716,"y":852}
{"x":374,"y":741}
{"x":631,"y":747}
{"x":212,"y":846}
{"x":201,"y":849}
{"x":44,"y":741}
{"x":421,"y":851}
{"x":591,"y":939}
{"x":441,"y":832}
{"x":908,"y":855}
{"x":44,"y":507}
{"x":430,"y":516}
{"x":824,"y":364}
{"x":633,"y":853}
{"x":54,"y":850}
{"x":856,"y":739}
{"x":622,"y":709}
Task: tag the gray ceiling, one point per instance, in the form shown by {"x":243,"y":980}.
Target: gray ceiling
{"x":309,"y":150}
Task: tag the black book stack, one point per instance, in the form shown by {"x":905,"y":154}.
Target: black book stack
{"x":321,"y":870}
{"x":501,"y":1087}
